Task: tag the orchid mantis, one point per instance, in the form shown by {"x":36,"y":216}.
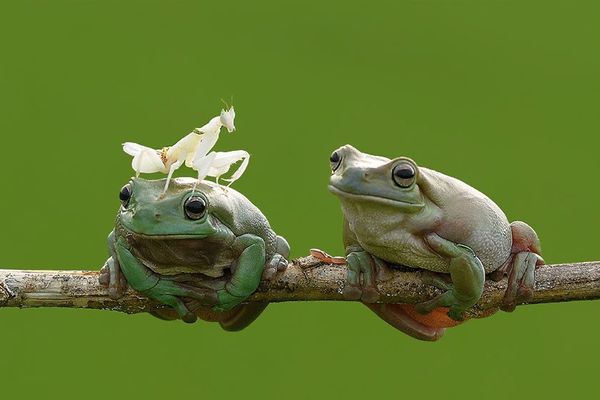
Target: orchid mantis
{"x":193,"y":150}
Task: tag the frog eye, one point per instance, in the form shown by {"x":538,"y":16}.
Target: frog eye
{"x":403,"y":174}
{"x":195,"y":207}
{"x":125,"y":195}
{"x":335,"y":160}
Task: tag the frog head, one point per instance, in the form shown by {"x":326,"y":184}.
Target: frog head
{"x":373,"y":180}
{"x":183,"y":211}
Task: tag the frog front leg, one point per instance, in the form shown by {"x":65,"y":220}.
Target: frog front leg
{"x":165,"y":291}
{"x":279,"y":260}
{"x":246,"y":274}
{"x":360,"y":281}
{"x":467,"y":275}
{"x":362,"y":270}
{"x":110,"y":274}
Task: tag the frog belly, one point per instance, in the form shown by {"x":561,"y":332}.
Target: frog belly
{"x":407,"y":250}
{"x":410,"y":250}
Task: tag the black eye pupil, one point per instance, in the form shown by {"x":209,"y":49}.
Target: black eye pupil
{"x":125,"y":194}
{"x":404,"y":173}
{"x":195,"y":208}
{"x":335,"y":157}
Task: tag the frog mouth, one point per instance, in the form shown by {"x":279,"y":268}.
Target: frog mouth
{"x":161,"y":236}
{"x":125,"y":229}
{"x":377,"y":199}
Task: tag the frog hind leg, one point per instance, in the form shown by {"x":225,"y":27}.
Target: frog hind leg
{"x":241,"y":316}
{"x":467,"y":275}
{"x":525,"y":257}
{"x":397,"y":316}
{"x":233,"y":320}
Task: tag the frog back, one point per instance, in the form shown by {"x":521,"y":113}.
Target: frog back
{"x":468,"y":217}
{"x":239,"y":214}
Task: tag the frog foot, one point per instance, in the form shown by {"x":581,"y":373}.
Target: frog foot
{"x":276,"y":264}
{"x":521,"y":266}
{"x":521,"y":279}
{"x":279,"y":261}
{"x":173,"y":294}
{"x":226,"y":301}
{"x":232,"y":320}
{"x":467,"y":275}
{"x":110,"y":276}
{"x":360,"y":281}
{"x":433,"y":306}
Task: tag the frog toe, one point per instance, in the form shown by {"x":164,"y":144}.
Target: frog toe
{"x":282,"y":264}
{"x":269,"y":272}
{"x":189,"y":318}
{"x":360,"y":278}
{"x":276,"y":264}
{"x":457,"y":304}
{"x":521,"y":279}
{"x":226,"y":301}
{"x":178,"y":305}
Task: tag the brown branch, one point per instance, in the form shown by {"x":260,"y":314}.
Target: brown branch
{"x":305,"y":279}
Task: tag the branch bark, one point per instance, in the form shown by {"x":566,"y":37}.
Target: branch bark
{"x":305,"y":279}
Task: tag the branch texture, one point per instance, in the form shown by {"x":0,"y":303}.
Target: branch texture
{"x":305,"y":279}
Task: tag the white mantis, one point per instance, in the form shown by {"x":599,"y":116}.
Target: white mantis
{"x":194,"y":150}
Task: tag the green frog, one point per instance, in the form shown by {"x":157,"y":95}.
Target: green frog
{"x":200,"y":248}
{"x":399,"y":214}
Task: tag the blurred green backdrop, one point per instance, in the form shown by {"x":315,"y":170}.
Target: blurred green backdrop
{"x":503,"y":94}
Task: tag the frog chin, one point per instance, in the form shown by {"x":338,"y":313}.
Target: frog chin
{"x":343,"y":194}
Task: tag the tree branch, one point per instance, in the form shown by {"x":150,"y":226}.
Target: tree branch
{"x":305,"y":279}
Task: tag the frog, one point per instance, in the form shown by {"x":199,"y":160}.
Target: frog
{"x":200,"y":249}
{"x":397,"y":214}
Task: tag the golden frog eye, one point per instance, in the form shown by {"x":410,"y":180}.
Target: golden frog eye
{"x":403,"y":174}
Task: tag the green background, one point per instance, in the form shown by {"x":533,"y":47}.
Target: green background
{"x":503,"y":94}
